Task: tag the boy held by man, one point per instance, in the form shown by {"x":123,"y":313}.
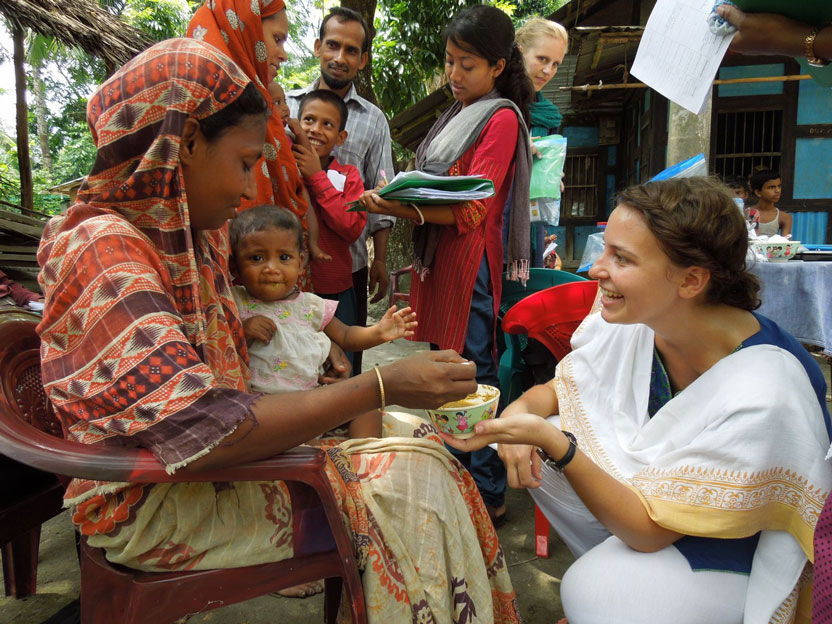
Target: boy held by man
{"x":766,"y":185}
{"x":331,"y":186}
{"x":295,"y":134}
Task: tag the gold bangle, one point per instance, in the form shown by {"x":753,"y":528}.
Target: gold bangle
{"x":809,"y":50}
{"x":380,"y":386}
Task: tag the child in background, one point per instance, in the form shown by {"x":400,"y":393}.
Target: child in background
{"x":331,"y":185}
{"x":296,"y":134}
{"x":289,"y":331}
{"x":739,"y":187}
{"x":767,"y":186}
{"x":552,"y":260}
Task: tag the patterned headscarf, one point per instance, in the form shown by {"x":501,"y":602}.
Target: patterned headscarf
{"x":132,"y":212}
{"x":235,"y":27}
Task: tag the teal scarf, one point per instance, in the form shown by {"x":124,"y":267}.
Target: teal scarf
{"x":545,"y":117}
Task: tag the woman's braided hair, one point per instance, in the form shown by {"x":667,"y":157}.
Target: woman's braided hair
{"x":697,"y":223}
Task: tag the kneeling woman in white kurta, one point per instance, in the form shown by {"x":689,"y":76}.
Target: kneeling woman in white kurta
{"x":701,"y":429}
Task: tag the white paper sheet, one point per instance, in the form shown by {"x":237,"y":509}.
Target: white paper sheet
{"x":678,"y":55}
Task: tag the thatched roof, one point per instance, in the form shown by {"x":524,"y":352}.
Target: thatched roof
{"x":79,"y":23}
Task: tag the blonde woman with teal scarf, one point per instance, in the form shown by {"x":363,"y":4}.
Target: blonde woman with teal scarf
{"x":543,"y":44}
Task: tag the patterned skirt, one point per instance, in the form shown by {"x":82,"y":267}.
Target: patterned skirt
{"x":422,"y":537}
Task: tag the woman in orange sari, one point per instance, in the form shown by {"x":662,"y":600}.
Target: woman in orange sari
{"x":252,"y":34}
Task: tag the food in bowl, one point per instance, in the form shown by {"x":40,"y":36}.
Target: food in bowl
{"x":776,"y":251}
{"x":459,"y":417}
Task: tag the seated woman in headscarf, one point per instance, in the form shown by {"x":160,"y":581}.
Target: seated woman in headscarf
{"x":142,"y":345}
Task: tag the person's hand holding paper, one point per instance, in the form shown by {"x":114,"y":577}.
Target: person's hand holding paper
{"x":781,"y":27}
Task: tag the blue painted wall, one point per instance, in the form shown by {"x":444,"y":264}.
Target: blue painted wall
{"x":581,"y":136}
{"x":809,"y":227}
{"x":752,"y":88}
{"x":814,"y":104}
{"x":813,"y":169}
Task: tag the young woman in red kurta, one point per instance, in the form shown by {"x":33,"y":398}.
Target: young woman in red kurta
{"x":456,"y":296}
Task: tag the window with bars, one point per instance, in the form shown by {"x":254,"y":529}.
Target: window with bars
{"x":580,"y":196}
{"x":747,"y":141}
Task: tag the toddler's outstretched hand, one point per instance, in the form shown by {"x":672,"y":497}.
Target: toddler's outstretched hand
{"x":397,"y":324}
{"x":301,"y":137}
{"x":259,"y":328}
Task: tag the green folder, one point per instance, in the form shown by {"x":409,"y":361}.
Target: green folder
{"x":418,"y":187}
{"x":814,"y":12}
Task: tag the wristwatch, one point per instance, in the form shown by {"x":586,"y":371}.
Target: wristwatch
{"x":809,"y":50}
{"x":560,"y":464}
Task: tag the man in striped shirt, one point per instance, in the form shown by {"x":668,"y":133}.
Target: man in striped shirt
{"x":342,"y":47}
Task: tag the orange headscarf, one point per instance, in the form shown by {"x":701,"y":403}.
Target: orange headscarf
{"x":130,"y":286}
{"x":235,"y":27}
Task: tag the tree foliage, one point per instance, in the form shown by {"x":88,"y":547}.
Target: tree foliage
{"x":408,"y":49}
{"x":302,"y":66}
{"x":161,"y":19}
{"x":69,"y":76}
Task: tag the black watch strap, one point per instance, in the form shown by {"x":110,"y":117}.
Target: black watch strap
{"x":560,"y":464}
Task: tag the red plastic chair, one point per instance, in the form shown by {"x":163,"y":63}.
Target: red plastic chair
{"x":111,"y":593}
{"x":550,"y":316}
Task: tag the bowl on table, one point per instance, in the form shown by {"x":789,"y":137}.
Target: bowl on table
{"x":459,"y":417}
{"x":776,"y":251}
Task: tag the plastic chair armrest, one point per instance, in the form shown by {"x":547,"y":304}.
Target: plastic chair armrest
{"x":40,"y":450}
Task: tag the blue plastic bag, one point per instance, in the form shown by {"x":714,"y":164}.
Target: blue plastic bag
{"x":689,"y":168}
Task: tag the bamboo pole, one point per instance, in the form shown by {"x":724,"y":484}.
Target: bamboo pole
{"x":641,"y":85}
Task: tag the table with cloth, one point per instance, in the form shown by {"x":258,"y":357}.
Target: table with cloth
{"x":797,"y":296}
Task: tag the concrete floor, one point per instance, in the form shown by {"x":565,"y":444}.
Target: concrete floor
{"x":536,"y":581}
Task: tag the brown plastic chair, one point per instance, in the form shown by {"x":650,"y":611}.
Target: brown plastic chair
{"x":28,"y":497}
{"x":111,"y":593}
{"x":395,"y":293}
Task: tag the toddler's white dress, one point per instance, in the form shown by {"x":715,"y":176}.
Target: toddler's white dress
{"x":299,"y":347}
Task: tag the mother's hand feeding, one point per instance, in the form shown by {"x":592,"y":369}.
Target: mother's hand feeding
{"x":429,"y":379}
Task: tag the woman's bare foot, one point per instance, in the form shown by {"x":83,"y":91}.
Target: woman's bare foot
{"x":302,"y":591}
